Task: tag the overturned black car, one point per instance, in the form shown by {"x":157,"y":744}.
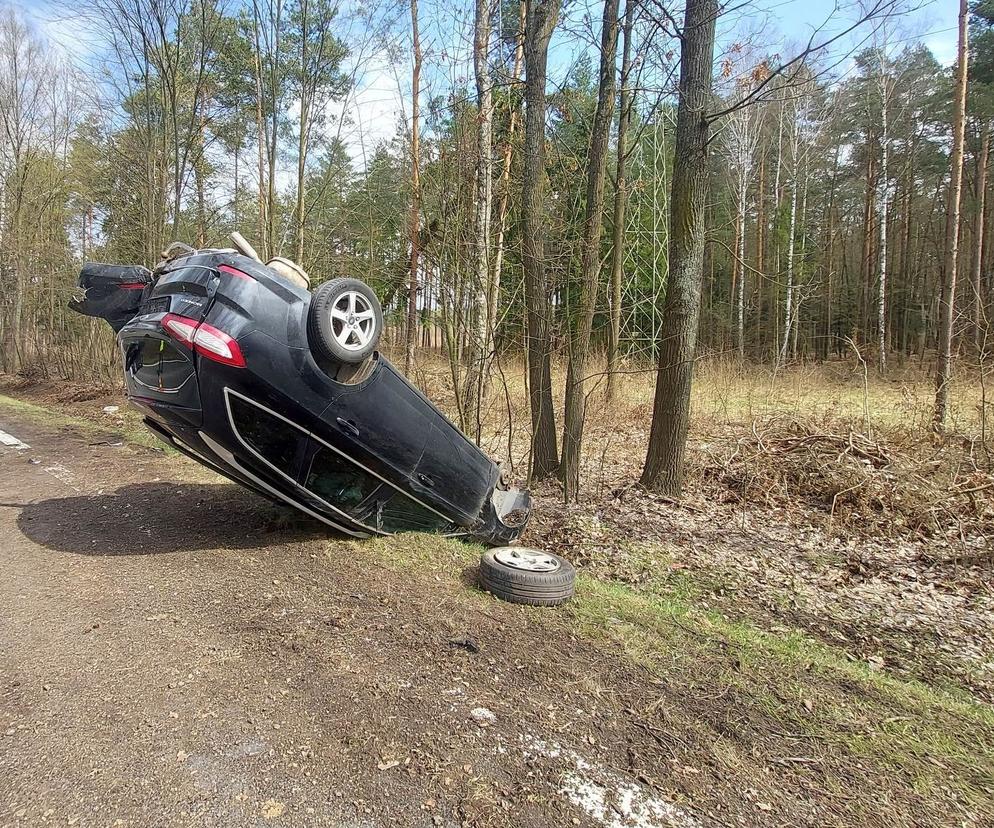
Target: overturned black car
{"x":236,"y":364}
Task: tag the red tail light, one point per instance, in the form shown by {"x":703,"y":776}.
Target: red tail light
{"x":204,"y":339}
{"x":231,"y":271}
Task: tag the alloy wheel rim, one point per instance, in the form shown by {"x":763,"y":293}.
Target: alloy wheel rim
{"x":528,"y":560}
{"x":353,"y":321}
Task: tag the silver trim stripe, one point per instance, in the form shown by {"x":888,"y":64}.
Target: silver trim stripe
{"x":280,"y":471}
{"x":228,"y":392}
{"x":229,"y":458}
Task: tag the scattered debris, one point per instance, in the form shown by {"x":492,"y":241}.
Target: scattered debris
{"x":482,"y":716}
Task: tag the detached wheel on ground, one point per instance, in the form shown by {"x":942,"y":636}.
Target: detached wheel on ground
{"x":526,"y":576}
{"x":344,"y":321}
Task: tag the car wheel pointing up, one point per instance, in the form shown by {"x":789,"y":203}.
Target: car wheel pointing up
{"x":526,"y":576}
{"x":344,"y":321}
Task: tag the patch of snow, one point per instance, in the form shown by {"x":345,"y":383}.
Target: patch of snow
{"x":609,"y":797}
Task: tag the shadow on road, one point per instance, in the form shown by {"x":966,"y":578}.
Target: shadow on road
{"x":154,"y":518}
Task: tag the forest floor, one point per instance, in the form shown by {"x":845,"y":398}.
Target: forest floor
{"x":806,"y":639}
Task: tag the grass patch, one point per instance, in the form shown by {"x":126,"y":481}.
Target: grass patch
{"x":777,"y":691}
{"x":130,"y":429}
{"x":936,"y":738}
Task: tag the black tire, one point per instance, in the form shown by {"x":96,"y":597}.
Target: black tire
{"x":326,"y":333}
{"x":522,"y":586}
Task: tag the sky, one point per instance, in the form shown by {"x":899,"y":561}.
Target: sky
{"x":381,"y":98}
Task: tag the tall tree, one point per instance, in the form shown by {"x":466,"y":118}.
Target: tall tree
{"x":978,"y":314}
{"x":482,"y":315}
{"x":741,"y":136}
{"x":414,"y":224}
{"x":620,"y":200}
{"x":664,"y":462}
{"x":540,"y":20}
{"x":504,"y":185}
{"x":883,"y":201}
{"x":947,"y":299}
{"x":317,"y":81}
{"x":579,"y":342}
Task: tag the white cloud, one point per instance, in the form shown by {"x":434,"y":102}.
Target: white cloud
{"x":372,"y":111}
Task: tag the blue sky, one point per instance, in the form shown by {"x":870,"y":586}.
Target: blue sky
{"x":933,"y":23}
{"x":382,"y":95}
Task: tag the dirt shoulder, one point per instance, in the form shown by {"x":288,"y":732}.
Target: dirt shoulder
{"x":176,"y":652}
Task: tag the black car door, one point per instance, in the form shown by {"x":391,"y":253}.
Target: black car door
{"x":382,"y":422}
{"x":111,"y":292}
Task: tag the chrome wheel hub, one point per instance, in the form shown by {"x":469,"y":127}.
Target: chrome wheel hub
{"x":353,"y":321}
{"x":529,"y":560}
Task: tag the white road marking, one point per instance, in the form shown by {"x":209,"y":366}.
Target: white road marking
{"x":11,"y":441}
{"x":63,"y":475}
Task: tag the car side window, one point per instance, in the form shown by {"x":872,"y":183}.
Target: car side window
{"x":338,"y":481}
{"x":401,"y":514}
{"x":275,"y":440}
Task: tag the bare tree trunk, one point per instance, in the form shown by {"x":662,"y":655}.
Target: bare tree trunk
{"x":582,"y":327}
{"x":198,"y":172}
{"x":482,"y":315}
{"x":262,"y":241}
{"x":671,"y":408}
{"x":505,"y":176}
{"x":414,"y":221}
{"x":740,"y":268}
{"x":788,"y":310}
{"x":883,"y":204}
{"x":620,"y":202}
{"x":826,"y":341}
{"x":303,"y":123}
{"x":947,"y":299}
{"x":777,"y":198}
{"x":741,"y":134}
{"x":541,"y":20}
{"x":760,"y":244}
{"x":869,"y":209}
{"x":978,"y":241}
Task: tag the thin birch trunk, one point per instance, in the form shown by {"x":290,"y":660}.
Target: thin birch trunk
{"x":620,"y":203}
{"x":481,"y":313}
{"x":262,"y":241}
{"x":415,"y":214}
{"x":882,"y":219}
{"x":947,"y":299}
{"x":978,"y":241}
{"x":740,"y":267}
{"x":789,"y":297}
